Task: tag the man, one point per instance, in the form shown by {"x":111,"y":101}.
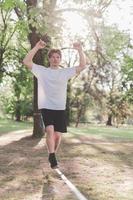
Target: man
{"x":52,"y":88}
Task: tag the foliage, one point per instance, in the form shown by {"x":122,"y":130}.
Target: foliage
{"x":118,"y":108}
{"x":20,"y":102}
{"x":106,"y":82}
{"x":105,"y":78}
{"x":127,"y":81}
{"x":10,"y":28}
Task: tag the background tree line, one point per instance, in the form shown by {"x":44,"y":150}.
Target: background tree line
{"x":105,"y":88}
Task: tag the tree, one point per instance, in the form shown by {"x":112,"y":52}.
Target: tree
{"x":8,"y":29}
{"x":37,"y":18}
{"x":127,"y":77}
{"x":105,"y":48}
{"x":106,"y":56}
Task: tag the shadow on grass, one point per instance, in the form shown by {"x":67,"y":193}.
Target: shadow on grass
{"x":122,"y":150}
{"x":21,"y":164}
{"x":25,"y":172}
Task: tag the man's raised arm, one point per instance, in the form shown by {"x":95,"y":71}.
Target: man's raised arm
{"x":28,"y":60}
{"x":82,"y":57}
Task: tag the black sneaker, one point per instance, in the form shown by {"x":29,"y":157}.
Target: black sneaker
{"x":53,"y":161}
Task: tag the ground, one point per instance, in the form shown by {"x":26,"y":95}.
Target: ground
{"x":101,"y":168}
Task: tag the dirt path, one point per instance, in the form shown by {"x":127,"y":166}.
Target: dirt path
{"x":24,"y":171}
{"x":101,"y":170}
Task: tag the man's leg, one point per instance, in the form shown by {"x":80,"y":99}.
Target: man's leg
{"x":50,"y":141}
{"x":57,"y":136}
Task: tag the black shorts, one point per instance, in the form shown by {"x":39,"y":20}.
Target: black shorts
{"x":57,"y":118}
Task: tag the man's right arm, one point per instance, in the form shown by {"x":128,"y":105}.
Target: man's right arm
{"x":28,"y":60}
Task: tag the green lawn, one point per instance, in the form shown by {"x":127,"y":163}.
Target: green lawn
{"x":105,"y":132}
{"x":9,"y":125}
{"x":90,"y":130}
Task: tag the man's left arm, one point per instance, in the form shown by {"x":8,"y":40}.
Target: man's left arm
{"x":82,"y":57}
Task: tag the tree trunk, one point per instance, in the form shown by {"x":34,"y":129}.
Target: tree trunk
{"x":38,"y":130}
{"x":38,"y":124}
{"x":38,"y":59}
{"x":17,"y":112}
{"x":109,"y":121}
{"x":79,"y":113}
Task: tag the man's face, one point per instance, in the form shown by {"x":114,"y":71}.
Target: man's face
{"x":55,"y":60}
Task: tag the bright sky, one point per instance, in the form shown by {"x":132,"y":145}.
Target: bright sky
{"x":120,"y":12}
{"x":74,"y":25}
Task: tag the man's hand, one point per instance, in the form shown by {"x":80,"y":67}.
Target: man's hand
{"x":40,"y":44}
{"x":77,"y":46}
{"x":28,"y":60}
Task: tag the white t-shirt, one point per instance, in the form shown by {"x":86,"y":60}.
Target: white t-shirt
{"x":52,"y":86}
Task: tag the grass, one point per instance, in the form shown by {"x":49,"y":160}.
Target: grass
{"x":7,"y":125}
{"x":89,"y":130}
{"x":101,"y":171}
{"x":104,"y":131}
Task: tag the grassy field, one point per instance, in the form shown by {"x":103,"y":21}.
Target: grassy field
{"x":96,"y":159}
{"x":9,"y":125}
{"x":104,"y":131}
{"x":93,"y":130}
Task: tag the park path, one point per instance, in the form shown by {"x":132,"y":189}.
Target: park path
{"x":13,"y":136}
{"x":12,"y":146}
{"x":100,"y":169}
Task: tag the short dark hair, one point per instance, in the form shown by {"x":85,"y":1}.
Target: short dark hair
{"x":52,"y":51}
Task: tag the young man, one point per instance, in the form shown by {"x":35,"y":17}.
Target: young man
{"x":52,"y":88}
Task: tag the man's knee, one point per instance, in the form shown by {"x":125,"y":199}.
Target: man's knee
{"x":57,"y":135}
{"x":49,"y":131}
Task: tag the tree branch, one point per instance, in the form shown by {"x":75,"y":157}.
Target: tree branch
{"x":18,"y":13}
{"x":90,"y":12}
